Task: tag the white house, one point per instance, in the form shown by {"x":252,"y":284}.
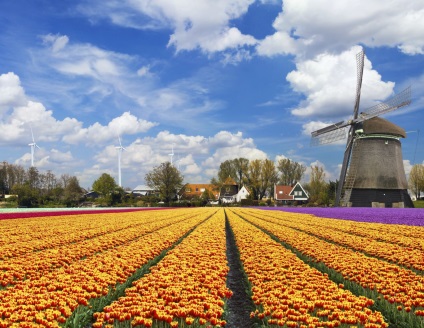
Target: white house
{"x":242,"y":194}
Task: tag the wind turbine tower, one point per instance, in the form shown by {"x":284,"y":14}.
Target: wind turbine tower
{"x":172,"y":153}
{"x":32,"y":145}
{"x":120,"y":149}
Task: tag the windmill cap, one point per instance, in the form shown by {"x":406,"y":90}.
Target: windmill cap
{"x":378,"y":125}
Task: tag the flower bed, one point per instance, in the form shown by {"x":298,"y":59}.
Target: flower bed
{"x":186,"y":288}
{"x":51,"y":298}
{"x":384,"y":280}
{"x":6,"y":214}
{"x":287,"y":292}
{"x":407,"y":216}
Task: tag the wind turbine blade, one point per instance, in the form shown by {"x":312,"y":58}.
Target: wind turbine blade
{"x":359,"y":74}
{"x":37,"y":146}
{"x":399,"y":100}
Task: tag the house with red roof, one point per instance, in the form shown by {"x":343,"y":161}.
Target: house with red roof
{"x":288,"y":195}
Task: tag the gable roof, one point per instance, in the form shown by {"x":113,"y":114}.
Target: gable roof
{"x":283,"y":192}
{"x":197,"y":189}
{"x":230,"y":182}
{"x":300,"y":186}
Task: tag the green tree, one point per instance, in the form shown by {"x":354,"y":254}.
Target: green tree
{"x":317,"y":186}
{"x":72,"y":192}
{"x":235,"y":168}
{"x":105,"y":186}
{"x":416,"y":179}
{"x":290,"y":171}
{"x":260,"y":176}
{"x":166,"y":179}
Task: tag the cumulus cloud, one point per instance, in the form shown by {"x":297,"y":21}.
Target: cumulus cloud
{"x":307,"y":28}
{"x":98,"y":133}
{"x":329,"y":84}
{"x":11,"y":91}
{"x":202,"y":24}
{"x":197,"y":157}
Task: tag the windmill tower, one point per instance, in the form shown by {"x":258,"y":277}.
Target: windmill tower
{"x":33,"y":144}
{"x":120,"y":149}
{"x":372,"y":172}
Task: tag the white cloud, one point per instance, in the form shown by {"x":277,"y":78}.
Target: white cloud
{"x":329,"y":84}
{"x":306,"y":27}
{"x":201,"y":24}
{"x":11,"y":91}
{"x":197,"y":157}
{"x":98,"y":133}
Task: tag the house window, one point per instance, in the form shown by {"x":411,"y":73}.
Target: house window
{"x":280,"y":192}
{"x":202,"y":189}
{"x":188,"y":189}
{"x":197,"y":189}
{"x":227,"y":189}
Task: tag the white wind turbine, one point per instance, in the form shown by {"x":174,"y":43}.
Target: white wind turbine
{"x":32,"y":145}
{"x":172,"y":153}
{"x":120,"y":149}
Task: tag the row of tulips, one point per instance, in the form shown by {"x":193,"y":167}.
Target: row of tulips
{"x":115,"y":232}
{"x":404,"y":235}
{"x":289,"y":293}
{"x":406,"y":255}
{"x":51,"y":299}
{"x":186,"y":288}
{"x":20,"y":237}
{"x":397,"y":285}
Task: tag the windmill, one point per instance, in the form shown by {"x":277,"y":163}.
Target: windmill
{"x":120,"y":149}
{"x":372,"y":172}
{"x":33,"y":144}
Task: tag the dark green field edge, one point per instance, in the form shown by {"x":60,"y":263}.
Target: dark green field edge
{"x":240,"y":304}
{"x":394,"y":317}
{"x":418,"y":272}
{"x":82,"y":317}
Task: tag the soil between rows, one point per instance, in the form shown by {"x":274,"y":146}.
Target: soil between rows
{"x":239,"y":305}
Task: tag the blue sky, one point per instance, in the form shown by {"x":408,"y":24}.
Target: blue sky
{"x":212,"y":79}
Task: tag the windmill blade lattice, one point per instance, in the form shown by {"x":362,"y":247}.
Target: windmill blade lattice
{"x":331,"y":135}
{"x":400,"y":100}
{"x":359,"y":74}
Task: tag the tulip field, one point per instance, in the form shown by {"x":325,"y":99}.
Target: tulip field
{"x":171,"y":268}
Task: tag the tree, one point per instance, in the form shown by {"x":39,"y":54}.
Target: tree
{"x":290,"y":171}
{"x":72,"y":192}
{"x":166,"y":179}
{"x":105,"y":185}
{"x":234,"y":168}
{"x":261,"y":175}
{"x":416,"y":179}
{"x":317,"y":186}
{"x":241,"y":166}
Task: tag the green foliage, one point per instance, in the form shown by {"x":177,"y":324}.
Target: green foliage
{"x":166,"y":179}
{"x":105,"y":185}
{"x":290,"y":171}
{"x":419,"y":204}
{"x":317,"y":187}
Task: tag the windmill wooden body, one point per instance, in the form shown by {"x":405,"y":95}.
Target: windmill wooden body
{"x":372,"y":172}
